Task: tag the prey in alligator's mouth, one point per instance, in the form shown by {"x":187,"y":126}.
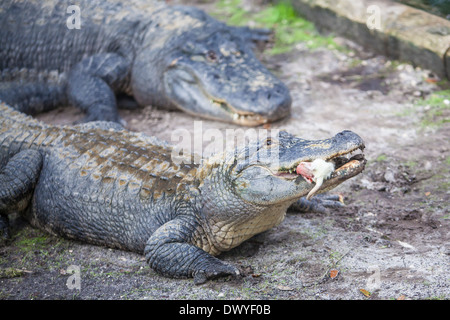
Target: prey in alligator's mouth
{"x":325,"y":174}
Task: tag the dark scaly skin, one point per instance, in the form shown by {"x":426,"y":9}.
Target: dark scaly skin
{"x":102,"y":184}
{"x":17,"y":180}
{"x":166,"y":56}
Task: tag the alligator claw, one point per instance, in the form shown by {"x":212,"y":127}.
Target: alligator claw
{"x":321,"y":203}
{"x":203,"y":276}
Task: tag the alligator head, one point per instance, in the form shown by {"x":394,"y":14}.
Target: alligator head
{"x":272,"y":177}
{"x":252,"y":190}
{"x":207,"y":69}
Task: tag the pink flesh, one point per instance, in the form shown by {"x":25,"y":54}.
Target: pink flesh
{"x":304,"y":169}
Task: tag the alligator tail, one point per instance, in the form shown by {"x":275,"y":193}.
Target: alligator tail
{"x":33,"y":98}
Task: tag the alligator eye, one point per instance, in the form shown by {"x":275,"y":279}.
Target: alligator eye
{"x":211,"y":55}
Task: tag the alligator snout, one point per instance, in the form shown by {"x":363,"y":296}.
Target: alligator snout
{"x":349,"y":137}
{"x":259,"y":104}
{"x":276,"y":102}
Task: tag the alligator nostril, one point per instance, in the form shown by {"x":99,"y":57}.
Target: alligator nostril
{"x":279,"y":89}
{"x":345,"y":133}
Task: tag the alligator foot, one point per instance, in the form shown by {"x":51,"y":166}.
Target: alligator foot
{"x":202,"y":276}
{"x":168,"y":252}
{"x":321,"y":203}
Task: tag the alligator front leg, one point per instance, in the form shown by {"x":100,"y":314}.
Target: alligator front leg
{"x":169,"y":252}
{"x":92,"y":84}
{"x":321,"y":203}
{"x":17,"y":181}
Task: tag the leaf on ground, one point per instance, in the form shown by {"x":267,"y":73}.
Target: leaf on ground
{"x":13,"y":272}
{"x":365,"y":292}
{"x":334,"y":273}
{"x":284,"y":288}
{"x":406,"y":245}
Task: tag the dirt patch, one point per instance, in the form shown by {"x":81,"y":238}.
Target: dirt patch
{"x":392,"y":238}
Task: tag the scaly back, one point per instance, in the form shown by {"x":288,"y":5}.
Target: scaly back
{"x":126,"y":159}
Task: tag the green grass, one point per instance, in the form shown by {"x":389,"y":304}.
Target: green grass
{"x":381,"y":158}
{"x":411,"y":164}
{"x":437,"y":109}
{"x":235,"y":15}
{"x":35,"y":243}
{"x":289,"y":29}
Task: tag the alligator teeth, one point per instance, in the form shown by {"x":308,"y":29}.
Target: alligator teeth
{"x":348,"y":155}
{"x":354,"y":153}
{"x":342,"y":159}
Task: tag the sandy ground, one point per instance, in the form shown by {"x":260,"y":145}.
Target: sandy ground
{"x":391,"y":241}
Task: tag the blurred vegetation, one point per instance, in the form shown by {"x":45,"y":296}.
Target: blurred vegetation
{"x":437,"y":7}
{"x":437,"y":108}
{"x":289,"y":29}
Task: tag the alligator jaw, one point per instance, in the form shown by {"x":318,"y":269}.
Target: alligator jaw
{"x":242,"y":118}
{"x":345,"y":165}
{"x":194,"y":94}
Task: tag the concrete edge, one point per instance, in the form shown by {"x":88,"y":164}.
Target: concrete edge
{"x":386,"y":27}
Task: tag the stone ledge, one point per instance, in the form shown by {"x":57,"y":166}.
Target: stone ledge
{"x":404,"y":33}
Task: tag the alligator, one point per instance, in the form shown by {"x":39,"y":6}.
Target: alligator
{"x":99,"y":183}
{"x":131,"y":54}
